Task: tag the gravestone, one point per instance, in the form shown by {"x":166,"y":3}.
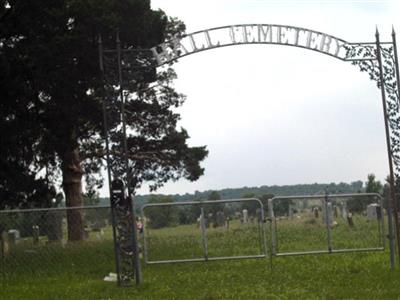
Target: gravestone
{"x":54,"y":225}
{"x":335,"y":211}
{"x":290,"y":212}
{"x":13,"y":236}
{"x":35,"y":234}
{"x":344,"y":210}
{"x":5,"y":247}
{"x":316,"y":212}
{"x":350,"y":219}
{"x":373,"y":210}
{"x":220,"y":219}
{"x":245,"y":215}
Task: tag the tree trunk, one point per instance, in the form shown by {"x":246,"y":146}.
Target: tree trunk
{"x":72,"y":184}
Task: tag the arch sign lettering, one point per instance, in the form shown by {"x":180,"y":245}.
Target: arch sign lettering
{"x":378,"y":59}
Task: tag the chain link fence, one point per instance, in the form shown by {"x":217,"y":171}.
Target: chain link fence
{"x":37,"y":242}
{"x":40,"y":242}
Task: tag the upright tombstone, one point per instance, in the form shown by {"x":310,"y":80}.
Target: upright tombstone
{"x":54,"y":226}
{"x":220,"y":219}
{"x":372,"y":211}
{"x":5,"y":248}
{"x":350,"y":221}
{"x":13,"y":236}
{"x":290,"y":213}
{"x":245,"y":216}
{"x":335,"y":211}
{"x":35,"y":234}
{"x":316,"y":212}
{"x":344,"y":210}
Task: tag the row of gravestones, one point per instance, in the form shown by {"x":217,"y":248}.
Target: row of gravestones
{"x":373,"y":212}
{"x":221,"y":220}
{"x":12,"y":237}
{"x":53,"y":230}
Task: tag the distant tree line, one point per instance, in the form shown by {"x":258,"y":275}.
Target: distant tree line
{"x":277,"y":190}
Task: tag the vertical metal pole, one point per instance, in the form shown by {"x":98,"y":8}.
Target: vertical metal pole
{"x":273,"y":230}
{"x":396,"y":65}
{"x":264,"y":236}
{"x":381,"y":223}
{"x":138,"y":275}
{"x":3,"y":264}
{"x":391,"y":237}
{"x":328,"y":222}
{"x":204,"y":234}
{"x":393,"y":202}
{"x":105,"y":126}
{"x":145,"y":237}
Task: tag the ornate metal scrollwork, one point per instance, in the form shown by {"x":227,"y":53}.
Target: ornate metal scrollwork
{"x":366,"y":58}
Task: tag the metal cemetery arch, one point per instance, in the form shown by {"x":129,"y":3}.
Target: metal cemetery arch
{"x":378,"y":59}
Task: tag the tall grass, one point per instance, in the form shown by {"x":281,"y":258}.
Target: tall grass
{"x":76,"y":271}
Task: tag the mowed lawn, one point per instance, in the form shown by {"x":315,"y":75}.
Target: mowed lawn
{"x":76,"y":271}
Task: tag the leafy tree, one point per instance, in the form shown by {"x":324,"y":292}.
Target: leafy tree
{"x":251,"y":206}
{"x":356,"y":204}
{"x":214,"y":195}
{"x":51,"y":86}
{"x":214,"y":208}
{"x":373,"y":185}
{"x":161,"y":216}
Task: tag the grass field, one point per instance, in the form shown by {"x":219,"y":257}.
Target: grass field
{"x":76,"y":271}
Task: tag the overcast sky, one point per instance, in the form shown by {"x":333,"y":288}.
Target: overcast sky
{"x":281,"y":115}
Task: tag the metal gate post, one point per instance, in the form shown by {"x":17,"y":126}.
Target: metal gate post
{"x":328,"y":209}
{"x":391,"y":236}
{"x":137,"y":267}
{"x":263,"y":229}
{"x":108,"y":159}
{"x":271,"y":217}
{"x":393,"y":200}
{"x":203,"y":234}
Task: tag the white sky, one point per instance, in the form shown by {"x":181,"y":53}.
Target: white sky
{"x":281,"y":115}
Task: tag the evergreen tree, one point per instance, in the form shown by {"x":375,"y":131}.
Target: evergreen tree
{"x":50,"y":87}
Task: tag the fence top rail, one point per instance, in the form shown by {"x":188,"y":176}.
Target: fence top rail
{"x":326,"y":195}
{"x":28,"y":210}
{"x":201,"y":202}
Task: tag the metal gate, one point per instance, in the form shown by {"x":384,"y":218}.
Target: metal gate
{"x":326,"y":224}
{"x":209,"y":230}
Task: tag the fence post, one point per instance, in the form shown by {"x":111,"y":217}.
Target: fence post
{"x":328,"y":209}
{"x":204,"y":234}
{"x":271,"y":217}
{"x":391,"y":237}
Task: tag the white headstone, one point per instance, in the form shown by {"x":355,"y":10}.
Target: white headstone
{"x":270,"y":209}
{"x":13,"y":236}
{"x":245,"y":216}
{"x":372,"y":211}
{"x":344,"y":210}
{"x":290,"y":211}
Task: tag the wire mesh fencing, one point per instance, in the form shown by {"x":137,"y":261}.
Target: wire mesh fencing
{"x":203,"y":231}
{"x":42,"y":242}
{"x":327,"y":224}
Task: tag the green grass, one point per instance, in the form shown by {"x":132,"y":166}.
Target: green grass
{"x":76,"y":271}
